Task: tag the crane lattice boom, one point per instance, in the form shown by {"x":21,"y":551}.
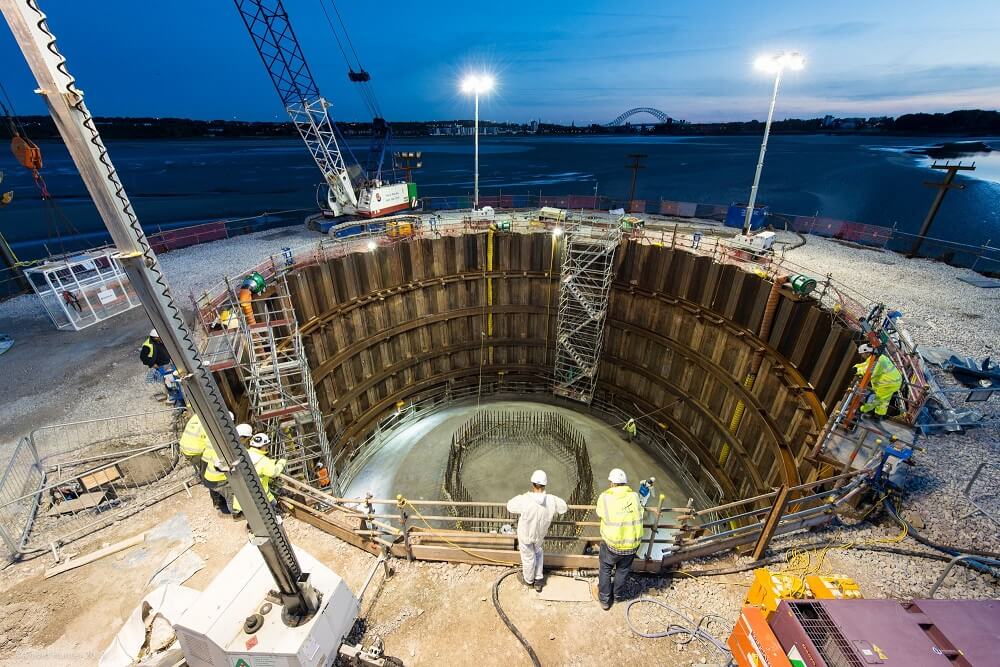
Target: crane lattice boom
{"x":272,"y":34}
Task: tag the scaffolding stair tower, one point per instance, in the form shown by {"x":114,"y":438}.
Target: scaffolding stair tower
{"x":273,"y":366}
{"x":584,"y":287}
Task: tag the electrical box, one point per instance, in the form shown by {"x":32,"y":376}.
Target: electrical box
{"x":770,"y":588}
{"x":753,"y":643}
{"x":835,"y":587}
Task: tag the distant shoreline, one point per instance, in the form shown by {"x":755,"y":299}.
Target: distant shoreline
{"x":965,"y":123}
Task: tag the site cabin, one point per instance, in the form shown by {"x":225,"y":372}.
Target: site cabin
{"x":551,"y":214}
{"x":78,"y":291}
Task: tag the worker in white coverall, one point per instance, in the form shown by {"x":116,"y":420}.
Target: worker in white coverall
{"x":536,"y":509}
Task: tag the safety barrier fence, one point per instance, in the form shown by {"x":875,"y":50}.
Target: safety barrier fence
{"x":427,"y":529}
{"x":164,"y":240}
{"x":982,"y":257}
{"x":66,"y":481}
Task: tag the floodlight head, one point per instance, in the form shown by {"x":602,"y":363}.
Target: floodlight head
{"x":372,"y":245}
{"x":477,"y":84}
{"x":774,"y":63}
{"x":557,"y":231}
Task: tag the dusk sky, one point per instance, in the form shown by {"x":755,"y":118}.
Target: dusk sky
{"x":557,"y":61}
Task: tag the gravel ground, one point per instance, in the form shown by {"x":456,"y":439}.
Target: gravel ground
{"x":938,"y":309}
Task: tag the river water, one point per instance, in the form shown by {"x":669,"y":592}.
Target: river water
{"x":172,"y":183}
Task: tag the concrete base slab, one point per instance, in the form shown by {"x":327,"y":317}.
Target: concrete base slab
{"x":564,"y":589}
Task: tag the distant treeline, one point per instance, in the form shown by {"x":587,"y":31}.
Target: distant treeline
{"x":964,"y":122}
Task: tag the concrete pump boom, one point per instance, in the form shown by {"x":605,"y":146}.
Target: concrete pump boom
{"x":275,"y":41}
{"x":79,"y":132}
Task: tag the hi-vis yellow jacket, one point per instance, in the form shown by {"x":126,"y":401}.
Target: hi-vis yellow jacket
{"x":621,"y":519}
{"x":194,"y":440}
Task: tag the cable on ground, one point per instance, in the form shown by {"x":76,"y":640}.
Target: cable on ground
{"x":510,"y":625}
{"x":679,"y":633}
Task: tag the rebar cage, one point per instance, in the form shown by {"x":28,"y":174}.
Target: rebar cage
{"x":519,"y":433}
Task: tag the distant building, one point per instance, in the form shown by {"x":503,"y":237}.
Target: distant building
{"x":828,"y":120}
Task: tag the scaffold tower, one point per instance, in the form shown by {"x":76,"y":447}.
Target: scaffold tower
{"x":266,"y":348}
{"x":584,"y":286}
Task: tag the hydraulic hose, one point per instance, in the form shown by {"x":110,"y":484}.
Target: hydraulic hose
{"x":948,"y":549}
{"x":687,"y":633}
{"x":506,"y":620}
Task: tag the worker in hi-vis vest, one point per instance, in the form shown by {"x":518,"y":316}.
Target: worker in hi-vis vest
{"x":193,"y":442}
{"x":621,"y":515}
{"x":266,"y":467}
{"x":215,"y":474}
{"x":885,"y":381}
{"x":630,"y":430}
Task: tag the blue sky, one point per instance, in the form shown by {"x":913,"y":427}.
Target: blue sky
{"x":558,"y":61}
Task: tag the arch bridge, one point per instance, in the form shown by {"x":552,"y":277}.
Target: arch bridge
{"x":660,"y":116}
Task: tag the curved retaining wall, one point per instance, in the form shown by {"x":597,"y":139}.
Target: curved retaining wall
{"x":388,"y":325}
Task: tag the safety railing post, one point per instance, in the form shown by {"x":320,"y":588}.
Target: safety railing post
{"x":683,"y":531}
{"x":771,"y":523}
{"x":404,"y":528}
{"x":656,"y":526}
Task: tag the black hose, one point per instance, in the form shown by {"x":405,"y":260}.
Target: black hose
{"x":506,"y":620}
{"x":946,"y":548}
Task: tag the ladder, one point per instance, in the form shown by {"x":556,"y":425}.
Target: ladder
{"x":275,"y":370}
{"x":584,"y":288}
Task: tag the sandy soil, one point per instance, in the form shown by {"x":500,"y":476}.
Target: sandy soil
{"x":427,"y":613}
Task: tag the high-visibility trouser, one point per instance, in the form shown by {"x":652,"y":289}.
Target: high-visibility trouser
{"x":883,"y":388}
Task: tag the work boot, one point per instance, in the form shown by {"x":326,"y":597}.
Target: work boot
{"x":538,"y":585}
{"x":605,"y":605}
{"x":520,"y":578}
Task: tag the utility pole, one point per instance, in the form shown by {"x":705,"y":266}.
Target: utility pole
{"x":943,"y":187}
{"x":635,"y":166}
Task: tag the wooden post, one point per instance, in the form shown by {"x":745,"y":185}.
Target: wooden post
{"x":771,"y":522}
{"x":673,"y":237}
{"x":685,"y":520}
{"x":656,"y":526}
{"x":405,"y":530}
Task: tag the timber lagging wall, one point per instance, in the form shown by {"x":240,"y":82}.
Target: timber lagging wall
{"x":407,"y":319}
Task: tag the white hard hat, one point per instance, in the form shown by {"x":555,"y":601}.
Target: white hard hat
{"x":260,"y":440}
{"x":617,"y":476}
{"x":865,"y":348}
{"x":244,"y":430}
{"x":538,"y":477}
{"x":153,"y":334}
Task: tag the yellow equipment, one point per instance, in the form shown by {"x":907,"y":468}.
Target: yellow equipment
{"x":398,"y":229}
{"x":770,"y":588}
{"x":834,"y":587}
